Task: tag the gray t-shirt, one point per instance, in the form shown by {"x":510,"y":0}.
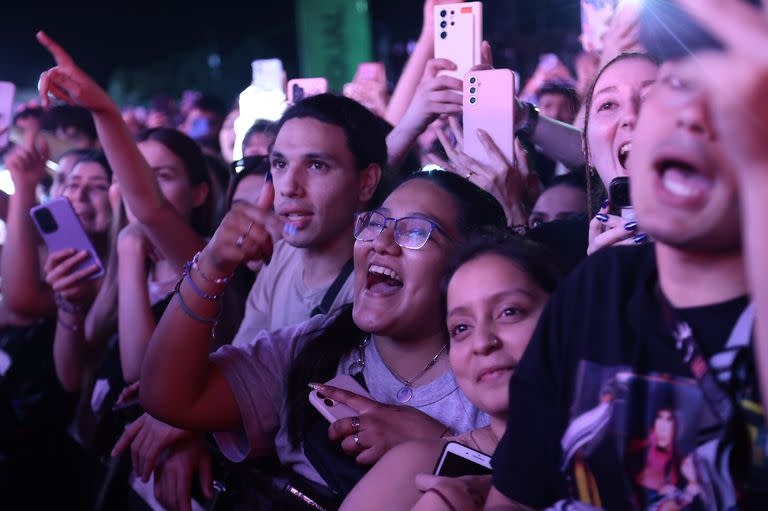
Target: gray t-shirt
{"x":258,"y":372}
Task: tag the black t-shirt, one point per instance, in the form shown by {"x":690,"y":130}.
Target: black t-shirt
{"x":602,"y":407}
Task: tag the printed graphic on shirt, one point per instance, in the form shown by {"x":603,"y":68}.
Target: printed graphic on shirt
{"x":644,"y":442}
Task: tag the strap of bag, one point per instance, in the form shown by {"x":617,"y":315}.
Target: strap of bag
{"x":333,"y":290}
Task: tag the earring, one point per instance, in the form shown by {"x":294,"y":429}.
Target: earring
{"x":495,"y":343}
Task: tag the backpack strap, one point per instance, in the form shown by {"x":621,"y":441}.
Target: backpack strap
{"x":333,"y":289}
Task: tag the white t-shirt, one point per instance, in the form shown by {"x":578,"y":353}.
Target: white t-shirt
{"x":257,"y":374}
{"x":279,"y":297}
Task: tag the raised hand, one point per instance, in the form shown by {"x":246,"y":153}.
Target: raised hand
{"x":67,"y":82}
{"x":436,"y":95}
{"x":26,"y":162}
{"x":247,"y":233}
{"x":73,"y":284}
{"x":381,"y":426}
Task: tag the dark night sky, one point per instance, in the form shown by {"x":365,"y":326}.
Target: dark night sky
{"x":118,"y":34}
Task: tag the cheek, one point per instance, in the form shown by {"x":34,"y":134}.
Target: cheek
{"x":459,"y":359}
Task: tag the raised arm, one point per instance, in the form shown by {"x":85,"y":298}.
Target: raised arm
{"x":23,"y":289}
{"x":169,"y":232}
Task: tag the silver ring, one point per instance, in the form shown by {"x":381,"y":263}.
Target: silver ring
{"x":239,"y":241}
{"x":248,"y":230}
{"x":356,"y":424}
{"x":356,"y":438}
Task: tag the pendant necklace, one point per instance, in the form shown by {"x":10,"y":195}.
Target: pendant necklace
{"x":405,"y":393}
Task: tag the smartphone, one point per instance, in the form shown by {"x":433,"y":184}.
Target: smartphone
{"x":459,"y":35}
{"x":458,"y":460}
{"x":300,"y":88}
{"x":60,"y":228}
{"x":621,"y":203}
{"x":333,"y":410}
{"x":668,"y":32}
{"x":7,"y":93}
{"x":489,"y":104}
{"x":128,"y":411}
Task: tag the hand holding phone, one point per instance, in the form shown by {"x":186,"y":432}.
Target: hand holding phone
{"x":331,"y":409}
{"x":62,"y":232}
{"x":489,"y":104}
{"x":621,"y":202}
{"x":459,"y":460}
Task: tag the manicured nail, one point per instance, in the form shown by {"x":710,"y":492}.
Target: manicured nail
{"x":602,"y":218}
{"x":640,"y":238}
{"x":631,"y":226}
{"x":605,"y":204}
{"x":290,"y":229}
{"x":315,"y":386}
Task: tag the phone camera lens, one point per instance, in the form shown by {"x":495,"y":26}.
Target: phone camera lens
{"x":443,"y":13}
{"x":443,"y":35}
{"x":472,"y":100}
{"x":453,"y":12}
{"x":472,"y":90}
{"x":473,"y":80}
{"x":443,"y":24}
{"x":328,"y":402}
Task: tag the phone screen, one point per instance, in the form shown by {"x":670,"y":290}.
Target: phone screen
{"x":455,"y":466}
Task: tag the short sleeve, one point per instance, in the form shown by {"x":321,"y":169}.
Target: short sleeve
{"x":526,"y":464}
{"x":257,"y":373}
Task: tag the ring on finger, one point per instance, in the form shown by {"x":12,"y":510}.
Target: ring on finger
{"x":356,"y":438}
{"x":356,"y":424}
{"x":248,"y":230}
{"x":469,"y":175}
{"x":239,"y":241}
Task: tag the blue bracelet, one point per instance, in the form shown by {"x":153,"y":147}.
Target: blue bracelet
{"x":192,"y":314}
{"x":199,"y":292}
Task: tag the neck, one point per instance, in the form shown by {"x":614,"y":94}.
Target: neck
{"x":498,"y":427}
{"x":323,"y":264}
{"x":694,"y":279}
{"x":408,"y":357}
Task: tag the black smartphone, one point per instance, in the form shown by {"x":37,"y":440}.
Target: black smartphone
{"x":668,"y":32}
{"x":621,"y":202}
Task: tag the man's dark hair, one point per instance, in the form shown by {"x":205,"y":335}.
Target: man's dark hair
{"x":66,"y":116}
{"x":34,"y":112}
{"x":562,"y":89}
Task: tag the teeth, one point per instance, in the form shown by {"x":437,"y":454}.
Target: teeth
{"x":384,"y":271}
{"x":295,"y":216}
{"x":625,"y":148}
{"x":676,"y":183}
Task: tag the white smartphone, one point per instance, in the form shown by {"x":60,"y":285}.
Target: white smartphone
{"x":7,"y":93}
{"x":61,"y":229}
{"x":489,"y":104}
{"x":459,"y":35}
{"x":300,"y":88}
{"x":333,"y":410}
{"x":459,"y":460}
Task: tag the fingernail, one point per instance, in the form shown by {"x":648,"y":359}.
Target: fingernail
{"x":314,"y":386}
{"x":631,"y":226}
{"x":605,"y":204}
{"x":290,"y":229}
{"x":602,"y":218}
{"x":640,"y":238}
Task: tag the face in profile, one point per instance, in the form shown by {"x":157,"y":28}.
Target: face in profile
{"x":616,"y":100}
{"x":492,"y":311}
{"x":318,"y":187}
{"x":397,"y":290}
{"x":87,"y":188}
{"x":683,"y":190}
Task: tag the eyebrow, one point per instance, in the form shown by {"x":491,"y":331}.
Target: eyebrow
{"x":495,"y":298}
{"x":610,"y":88}
{"x":307,"y":156}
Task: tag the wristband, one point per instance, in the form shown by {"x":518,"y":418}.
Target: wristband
{"x":191,"y":313}
{"x":527,"y":130}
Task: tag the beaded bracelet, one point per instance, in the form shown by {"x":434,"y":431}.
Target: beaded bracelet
{"x":199,"y":292}
{"x":192,"y":314}
{"x":197,"y":268}
{"x":67,"y":306}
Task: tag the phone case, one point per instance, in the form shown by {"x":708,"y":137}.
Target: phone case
{"x":60,"y":228}
{"x":300,"y":88}
{"x":489,"y":104}
{"x":333,"y":410}
{"x":464,"y":452}
{"x":7,"y":93}
{"x":459,"y":35}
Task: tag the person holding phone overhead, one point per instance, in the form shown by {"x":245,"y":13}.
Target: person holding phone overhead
{"x":493,"y":294}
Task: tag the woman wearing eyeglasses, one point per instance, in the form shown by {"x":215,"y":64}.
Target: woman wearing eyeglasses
{"x":392,"y":337}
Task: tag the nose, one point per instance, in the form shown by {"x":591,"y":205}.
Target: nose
{"x":384,"y":243}
{"x":288,"y":182}
{"x":485,"y":341}
{"x":693,"y":115}
{"x":629,"y":115}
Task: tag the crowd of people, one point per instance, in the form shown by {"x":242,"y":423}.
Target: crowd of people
{"x":597,"y":359}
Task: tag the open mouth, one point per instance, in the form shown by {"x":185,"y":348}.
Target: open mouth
{"x":623,"y":155}
{"x":382,"y":280}
{"x":682,"y":179}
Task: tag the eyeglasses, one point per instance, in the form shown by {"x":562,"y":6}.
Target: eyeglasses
{"x":410,"y":231}
{"x":257,"y":164}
